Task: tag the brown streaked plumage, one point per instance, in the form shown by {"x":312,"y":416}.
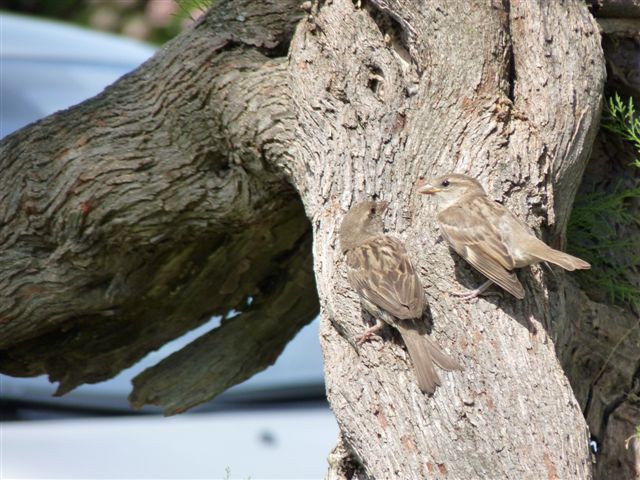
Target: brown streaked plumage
{"x":380,"y":271}
{"x":488,"y":235}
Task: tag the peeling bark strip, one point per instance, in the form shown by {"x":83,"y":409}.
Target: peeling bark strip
{"x":246,"y":342}
{"x":188,"y":186}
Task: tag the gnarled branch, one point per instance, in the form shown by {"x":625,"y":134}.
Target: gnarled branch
{"x":137,"y":215}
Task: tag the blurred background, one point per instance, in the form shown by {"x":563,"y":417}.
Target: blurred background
{"x":152,"y":21}
{"x":54,"y":54}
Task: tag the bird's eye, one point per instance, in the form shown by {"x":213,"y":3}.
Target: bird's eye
{"x":445,"y":183}
{"x":372,"y":211}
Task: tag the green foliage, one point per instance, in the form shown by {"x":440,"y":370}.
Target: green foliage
{"x":622,"y":120}
{"x":190,"y":6}
{"x":600,"y":220}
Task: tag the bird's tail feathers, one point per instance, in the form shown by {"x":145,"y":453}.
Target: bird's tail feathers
{"x":441,"y":359}
{"x":424,"y":353}
{"x":564,"y":260}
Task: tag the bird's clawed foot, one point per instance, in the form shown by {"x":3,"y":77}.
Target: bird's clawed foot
{"x":473,"y":294}
{"x":364,"y":336}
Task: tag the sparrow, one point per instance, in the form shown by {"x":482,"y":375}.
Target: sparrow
{"x":489,"y":236}
{"x":390,"y":290}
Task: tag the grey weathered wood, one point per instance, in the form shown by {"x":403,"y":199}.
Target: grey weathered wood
{"x":137,"y":215}
{"x":240,"y":347}
{"x":193,"y":184}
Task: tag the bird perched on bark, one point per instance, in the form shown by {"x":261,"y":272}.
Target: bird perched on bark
{"x":489,"y":236}
{"x":389,"y":288}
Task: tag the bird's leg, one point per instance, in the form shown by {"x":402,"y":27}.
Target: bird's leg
{"x":364,"y":336}
{"x":468,"y":295}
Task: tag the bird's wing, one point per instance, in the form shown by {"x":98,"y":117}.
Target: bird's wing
{"x":382,"y":273}
{"x":471,"y":229}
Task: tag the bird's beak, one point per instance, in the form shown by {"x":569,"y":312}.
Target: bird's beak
{"x":429,"y":189}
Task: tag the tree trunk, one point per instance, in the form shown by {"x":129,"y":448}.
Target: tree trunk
{"x":202,"y":183}
{"x":511,"y":96}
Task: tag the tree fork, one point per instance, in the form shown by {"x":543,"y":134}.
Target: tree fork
{"x":190,"y":188}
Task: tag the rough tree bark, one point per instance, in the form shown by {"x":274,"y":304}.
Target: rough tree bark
{"x":202,"y":183}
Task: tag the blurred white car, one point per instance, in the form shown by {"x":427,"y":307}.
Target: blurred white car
{"x":275,"y":425}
